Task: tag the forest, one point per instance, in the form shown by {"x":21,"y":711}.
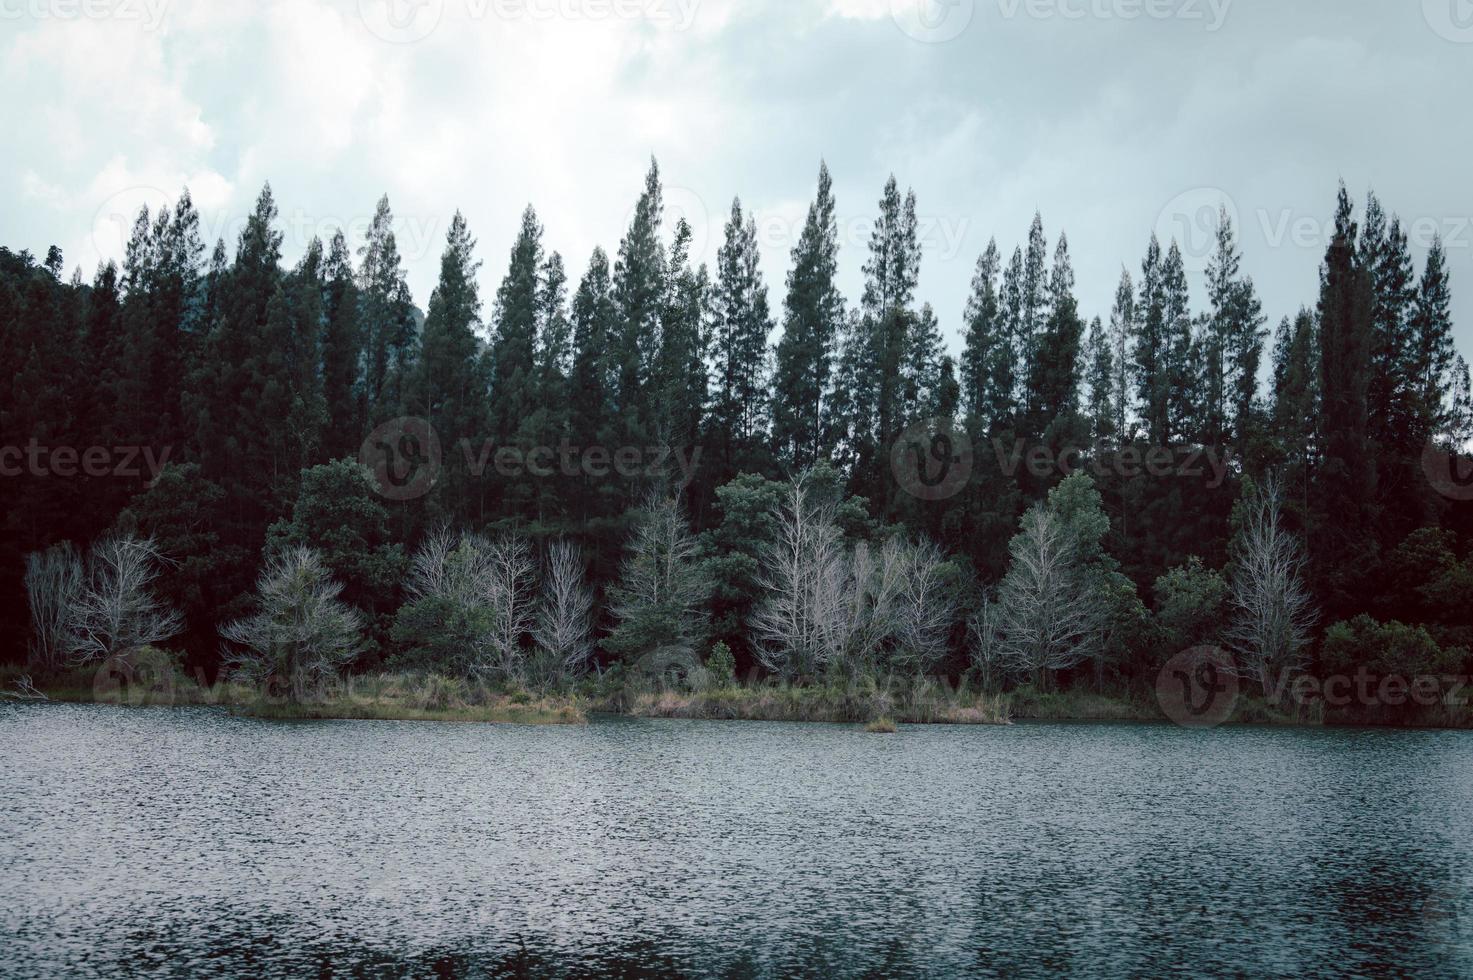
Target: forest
{"x":647,"y":468}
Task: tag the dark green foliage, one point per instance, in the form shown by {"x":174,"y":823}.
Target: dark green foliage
{"x":257,"y":383}
{"x":813,"y":318}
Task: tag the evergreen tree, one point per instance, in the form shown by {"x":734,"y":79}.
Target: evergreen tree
{"x":1053,"y":370}
{"x":1232,"y":343}
{"x":987,"y":355}
{"x":741,"y":324}
{"x":342,"y":352}
{"x":514,"y":394}
{"x":813,"y":318}
{"x":594,"y":371}
{"x":875,"y":355}
{"x":387,"y":319}
{"x":1150,"y":352}
{"x":1099,"y":360}
{"x":1122,"y":329}
{"x":1181,"y":368}
{"x":638,"y":291}
{"x":1341,"y":548}
{"x":681,"y":362}
{"x":448,"y":385}
{"x":1034,"y":311}
{"x":1432,"y":356}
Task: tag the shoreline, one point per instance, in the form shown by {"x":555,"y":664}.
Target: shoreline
{"x":395,"y":697}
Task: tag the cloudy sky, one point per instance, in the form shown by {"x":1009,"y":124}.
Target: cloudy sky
{"x":1112,"y":117}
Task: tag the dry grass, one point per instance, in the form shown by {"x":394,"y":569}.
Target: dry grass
{"x":919,"y":704}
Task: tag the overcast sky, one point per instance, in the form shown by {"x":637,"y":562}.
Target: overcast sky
{"x":1111,"y":117}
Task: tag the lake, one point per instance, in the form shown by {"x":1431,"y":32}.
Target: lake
{"x":187,"y":842}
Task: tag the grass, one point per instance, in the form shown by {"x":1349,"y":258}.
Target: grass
{"x":156,"y":681}
{"x":920,"y":703}
{"x":398,"y":697}
{"x":881,"y":726}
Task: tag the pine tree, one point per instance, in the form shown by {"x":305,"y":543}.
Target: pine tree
{"x":342,"y":353}
{"x":988,"y":354}
{"x":1232,"y":343}
{"x":387,"y":318}
{"x":638,"y":291}
{"x":1099,"y":360}
{"x":741,"y":325}
{"x":448,"y":384}
{"x":594,"y":371}
{"x":594,"y":324}
{"x":1432,"y":355}
{"x":921,"y":371}
{"x":307,"y":416}
{"x":1296,"y":385}
{"x":1034,"y":311}
{"x":812,"y":322}
{"x":1122,"y":329}
{"x":680,"y":369}
{"x":873,"y":361}
{"x":1053,"y":369}
{"x":514,"y":394}
{"x":1183,"y":390}
{"x":1342,"y":550}
{"x":1150,"y":353}
{"x":236,"y":448}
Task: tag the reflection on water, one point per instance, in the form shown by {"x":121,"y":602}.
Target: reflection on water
{"x":187,"y":842}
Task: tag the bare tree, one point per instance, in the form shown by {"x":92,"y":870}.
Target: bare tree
{"x":828,"y":608}
{"x":564,"y":631}
{"x":984,"y":638}
{"x":1048,"y":616}
{"x":116,"y":611}
{"x":302,"y":630}
{"x":509,"y":591}
{"x":801,"y":624}
{"x":926,"y":609}
{"x":53,"y":584}
{"x":1272,"y":611}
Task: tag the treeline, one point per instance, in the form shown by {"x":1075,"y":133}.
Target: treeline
{"x":251,"y":386}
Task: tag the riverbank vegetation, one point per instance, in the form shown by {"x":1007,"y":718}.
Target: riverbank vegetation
{"x":631,"y":490}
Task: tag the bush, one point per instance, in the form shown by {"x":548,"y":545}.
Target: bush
{"x":1385,"y":649}
{"x":721,"y":663}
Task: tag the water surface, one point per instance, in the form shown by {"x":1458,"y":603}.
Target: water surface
{"x":187,"y":842}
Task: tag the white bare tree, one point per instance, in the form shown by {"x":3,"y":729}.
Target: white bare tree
{"x":1048,"y":617}
{"x":564,"y":631}
{"x":828,"y":608}
{"x":801,"y":624}
{"x":301,"y":631}
{"x":53,"y":583}
{"x":1272,"y":611}
{"x":116,"y":610}
{"x":984,"y":641}
{"x":450,"y":567}
{"x":487,"y":594}
{"x":927,"y":609}
{"x":510,"y":593}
